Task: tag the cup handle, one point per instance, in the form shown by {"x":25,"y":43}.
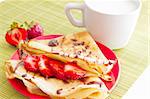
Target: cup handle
{"x":72,"y":19}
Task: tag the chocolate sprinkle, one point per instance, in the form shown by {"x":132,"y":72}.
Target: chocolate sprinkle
{"x":20,"y":52}
{"x":79,"y":52}
{"x":80,"y":43}
{"x":53,"y":43}
{"x":94,"y":82}
{"x":74,"y":40}
{"x":73,"y":88}
{"x":86,"y":46}
{"x":76,"y":56}
{"x":84,"y":79}
{"x":90,"y":52}
{"x":65,"y":81}
{"x":59,"y":91}
{"x":110,"y":63}
{"x":24,"y":75}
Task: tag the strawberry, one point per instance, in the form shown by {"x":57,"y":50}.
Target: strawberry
{"x":73,"y":75}
{"x":15,"y":34}
{"x":31,"y":63}
{"x":57,"y":68}
{"x":44,"y":67}
{"x":72,"y":71}
{"x":34,"y":30}
{"x":53,"y":68}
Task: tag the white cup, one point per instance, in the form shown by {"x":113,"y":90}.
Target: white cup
{"x":110,"y":22}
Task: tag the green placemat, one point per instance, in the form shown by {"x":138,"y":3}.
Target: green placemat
{"x":50,"y":14}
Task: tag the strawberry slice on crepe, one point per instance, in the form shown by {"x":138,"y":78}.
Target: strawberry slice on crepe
{"x":79,"y":48}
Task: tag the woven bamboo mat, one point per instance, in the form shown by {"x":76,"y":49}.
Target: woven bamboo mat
{"x":50,"y":14}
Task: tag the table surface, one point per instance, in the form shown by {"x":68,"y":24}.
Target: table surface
{"x":142,"y":83}
{"x":50,"y":14}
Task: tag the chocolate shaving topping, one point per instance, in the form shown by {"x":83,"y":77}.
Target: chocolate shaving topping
{"x":79,"y":52}
{"x":28,"y":80}
{"x":74,"y":40}
{"x":73,"y":88}
{"x":59,"y":91}
{"x":79,"y":43}
{"x":20,"y":52}
{"x":90,"y":52}
{"x":53,"y":43}
{"x":94,"y":82}
{"x":24,"y":75}
{"x":84,"y":79}
{"x":109,"y":79}
{"x":110,"y":63}
{"x":76,"y":56}
{"x":65,"y":81}
{"x":86,"y":46}
{"x":82,"y":43}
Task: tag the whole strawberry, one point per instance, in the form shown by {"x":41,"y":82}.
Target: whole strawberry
{"x":34,"y":30}
{"x":15,"y":34}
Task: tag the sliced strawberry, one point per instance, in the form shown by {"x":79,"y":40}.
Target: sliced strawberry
{"x":74,"y":72}
{"x":44,"y":67}
{"x":57,"y":68}
{"x":60,"y":74}
{"x":45,"y":59}
{"x":53,"y":68}
{"x":31,"y":63}
{"x":74,"y":75}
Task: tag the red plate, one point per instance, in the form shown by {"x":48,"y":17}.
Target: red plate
{"x":19,"y":86}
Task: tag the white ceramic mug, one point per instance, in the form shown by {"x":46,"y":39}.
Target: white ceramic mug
{"x":110,"y":22}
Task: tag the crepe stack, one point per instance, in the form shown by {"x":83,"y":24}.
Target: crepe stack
{"x":76,"y":47}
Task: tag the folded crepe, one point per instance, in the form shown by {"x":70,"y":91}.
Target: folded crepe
{"x":79,"y":47}
{"x":90,"y":87}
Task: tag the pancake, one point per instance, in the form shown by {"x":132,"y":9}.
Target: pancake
{"x":78,"y":47}
{"x":55,"y":88}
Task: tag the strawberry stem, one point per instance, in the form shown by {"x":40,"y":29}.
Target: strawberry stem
{"x":27,"y":25}
{"x":31,"y":24}
{"x":14,"y":25}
